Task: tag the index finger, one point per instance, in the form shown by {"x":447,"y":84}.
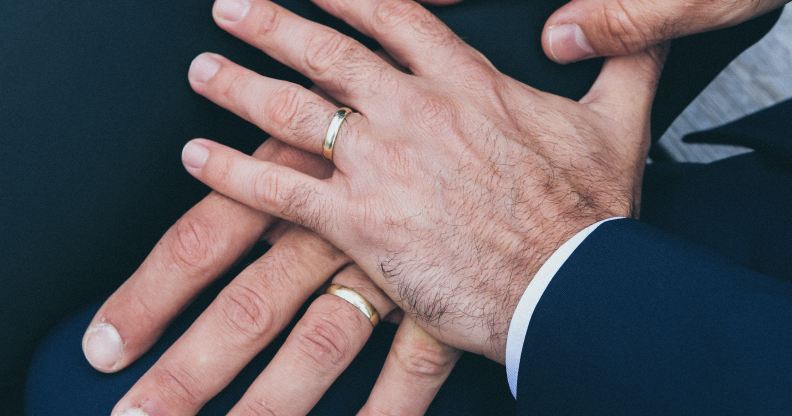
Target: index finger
{"x":202,"y":244}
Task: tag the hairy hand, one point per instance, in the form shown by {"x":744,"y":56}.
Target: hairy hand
{"x":453,"y":183}
{"x":588,"y":28}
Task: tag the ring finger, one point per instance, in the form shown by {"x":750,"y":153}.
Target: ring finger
{"x":285,"y":110}
{"x":321,"y":346}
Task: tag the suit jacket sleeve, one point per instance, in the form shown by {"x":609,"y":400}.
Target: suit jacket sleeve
{"x":638,"y":322}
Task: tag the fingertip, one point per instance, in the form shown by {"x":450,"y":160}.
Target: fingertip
{"x":195,"y":154}
{"x":131,"y":412}
{"x":441,"y":2}
{"x":203,"y":68}
{"x":230,"y":11}
{"x":564,"y":38}
{"x":546,"y":43}
{"x":566,"y":43}
{"x":103,"y":347}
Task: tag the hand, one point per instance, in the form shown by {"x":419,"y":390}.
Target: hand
{"x":587,"y":28}
{"x":453,"y":184}
{"x":249,"y":312}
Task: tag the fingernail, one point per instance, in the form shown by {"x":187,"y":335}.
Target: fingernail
{"x":194,"y":155}
{"x":103,"y":347}
{"x":132,"y":412}
{"x":232,"y":10}
{"x":568,"y":43}
{"x":203,"y":68}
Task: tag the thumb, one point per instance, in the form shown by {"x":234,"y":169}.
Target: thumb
{"x":625,"y":90}
{"x":588,"y":28}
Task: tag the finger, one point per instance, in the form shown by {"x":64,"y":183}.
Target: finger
{"x":587,"y":28}
{"x":626,"y":87}
{"x":412,"y":35}
{"x":416,"y":368}
{"x":243,"y":319}
{"x":341,"y":66}
{"x":276,"y":231}
{"x":200,"y":246}
{"x":283,"y":109}
{"x":266,"y":186}
{"x":323,"y":343}
{"x":395,"y":317}
{"x":441,"y":2}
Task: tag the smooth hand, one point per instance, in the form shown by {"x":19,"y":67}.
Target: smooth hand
{"x":453,"y":183}
{"x":587,"y":28}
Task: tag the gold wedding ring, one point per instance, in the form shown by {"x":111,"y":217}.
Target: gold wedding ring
{"x":332,"y":132}
{"x":356,"y":299}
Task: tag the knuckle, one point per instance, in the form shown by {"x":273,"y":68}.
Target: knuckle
{"x":324,"y":341}
{"x":324,"y":50}
{"x":223,"y":171}
{"x":303,"y":205}
{"x":285,"y":108}
{"x":144,"y":312}
{"x":267,"y":20}
{"x":390,"y":15}
{"x":393,"y":13}
{"x":433,"y":112}
{"x":241,"y":92}
{"x":478,"y":73}
{"x":177,"y":384}
{"x":246,"y":312}
{"x":235,"y":87}
{"x":427,"y":360}
{"x":266,"y":188}
{"x":627,"y":28}
{"x":376,"y":410}
{"x":192,"y":245}
{"x":277,"y":270}
{"x":258,"y":407}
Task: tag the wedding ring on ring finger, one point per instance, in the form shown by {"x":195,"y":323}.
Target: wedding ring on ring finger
{"x":355,"y":299}
{"x":328,"y":145}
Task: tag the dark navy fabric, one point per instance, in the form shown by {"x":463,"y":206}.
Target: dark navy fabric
{"x":94,"y":111}
{"x":766,"y":131}
{"x":642,"y":321}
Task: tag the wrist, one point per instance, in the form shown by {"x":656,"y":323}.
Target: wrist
{"x":524,"y":297}
{"x":521,"y":274}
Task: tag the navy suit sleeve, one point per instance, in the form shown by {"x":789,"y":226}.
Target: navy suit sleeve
{"x":637,"y":322}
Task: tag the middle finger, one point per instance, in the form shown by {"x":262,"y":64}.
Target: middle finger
{"x":241,"y":321}
{"x":340,"y":65}
{"x":285,"y":110}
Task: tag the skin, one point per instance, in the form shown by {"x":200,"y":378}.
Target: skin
{"x":607,"y":28}
{"x":251,"y":311}
{"x":587,"y":28}
{"x":452,"y":183}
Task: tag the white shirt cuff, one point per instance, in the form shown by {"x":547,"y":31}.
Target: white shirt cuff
{"x":521,"y":318}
